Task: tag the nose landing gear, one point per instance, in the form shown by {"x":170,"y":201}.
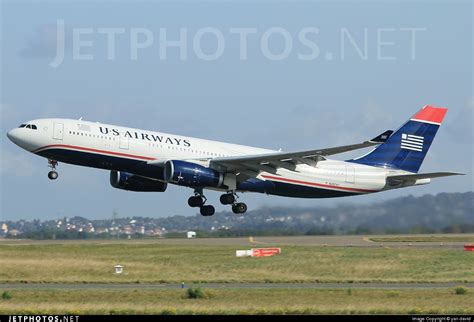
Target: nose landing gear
{"x":52,"y":175}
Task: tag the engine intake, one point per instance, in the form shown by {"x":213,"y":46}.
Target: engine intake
{"x":131,"y":182}
{"x":192,"y":175}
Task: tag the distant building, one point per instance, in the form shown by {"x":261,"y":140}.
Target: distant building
{"x":128,"y":230}
{"x":14,"y":232}
{"x":101,"y":230}
{"x":191,"y":234}
{"x":5,"y":228}
{"x":157,"y":232}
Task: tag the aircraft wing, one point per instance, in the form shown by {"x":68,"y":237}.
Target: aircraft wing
{"x":414,"y":177}
{"x":270,"y":162}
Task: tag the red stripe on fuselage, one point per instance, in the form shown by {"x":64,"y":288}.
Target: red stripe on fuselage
{"x":92,"y":150}
{"x":317,"y":184}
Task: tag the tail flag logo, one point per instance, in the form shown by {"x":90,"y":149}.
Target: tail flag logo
{"x":412,"y":142}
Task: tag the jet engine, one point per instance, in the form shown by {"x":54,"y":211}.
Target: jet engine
{"x":131,"y":182}
{"x":191,"y":174}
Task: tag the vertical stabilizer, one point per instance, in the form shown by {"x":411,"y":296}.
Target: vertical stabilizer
{"x":406,"y":148}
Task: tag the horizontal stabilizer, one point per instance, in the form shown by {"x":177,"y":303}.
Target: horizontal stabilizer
{"x":414,"y":177}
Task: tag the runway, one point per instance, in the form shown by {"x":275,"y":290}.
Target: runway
{"x":315,"y":241}
{"x":388,"y":286}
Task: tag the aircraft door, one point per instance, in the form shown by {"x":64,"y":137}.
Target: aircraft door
{"x":350,"y":174}
{"x":124,"y":142}
{"x":58,"y":129}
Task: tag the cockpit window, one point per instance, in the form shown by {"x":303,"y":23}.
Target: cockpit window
{"x":29,"y":126}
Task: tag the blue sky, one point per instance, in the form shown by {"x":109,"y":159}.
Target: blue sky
{"x":337,"y":97}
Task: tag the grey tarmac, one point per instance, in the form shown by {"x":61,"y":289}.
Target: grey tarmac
{"x":388,"y":286}
{"x":271,"y":241}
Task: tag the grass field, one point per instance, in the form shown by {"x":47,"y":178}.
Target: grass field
{"x":238,"y":301}
{"x":159,"y":263}
{"x":419,"y":239}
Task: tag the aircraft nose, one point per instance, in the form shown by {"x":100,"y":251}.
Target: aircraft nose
{"x":13,"y":135}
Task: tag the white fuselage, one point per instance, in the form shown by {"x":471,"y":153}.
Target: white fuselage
{"x":119,"y":148}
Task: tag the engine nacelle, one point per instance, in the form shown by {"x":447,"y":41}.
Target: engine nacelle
{"x":131,"y":182}
{"x":192,"y":175}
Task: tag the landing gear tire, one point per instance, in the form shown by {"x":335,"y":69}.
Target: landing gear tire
{"x":227,"y":199}
{"x":207,"y":210}
{"x":52,"y":175}
{"x":198,"y":201}
{"x":195,"y":201}
{"x":239,"y":208}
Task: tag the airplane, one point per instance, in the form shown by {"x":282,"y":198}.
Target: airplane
{"x":141,"y":160}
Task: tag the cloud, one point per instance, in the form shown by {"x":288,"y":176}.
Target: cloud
{"x":16,"y":164}
{"x":319,"y":127}
{"x":42,"y":44}
{"x":7,"y":112}
{"x":460,"y":125}
{"x":375,"y":115}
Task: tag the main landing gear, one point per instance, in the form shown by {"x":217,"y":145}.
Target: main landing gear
{"x":52,"y":175}
{"x":199,"y":200}
{"x":230,"y":198}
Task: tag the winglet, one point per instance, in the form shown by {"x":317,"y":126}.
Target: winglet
{"x":382,"y":137}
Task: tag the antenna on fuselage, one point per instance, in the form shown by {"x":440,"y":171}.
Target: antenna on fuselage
{"x":80,"y":119}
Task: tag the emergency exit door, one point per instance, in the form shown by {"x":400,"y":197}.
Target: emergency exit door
{"x":350,"y":174}
{"x":124,"y":142}
{"x":58,"y":129}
